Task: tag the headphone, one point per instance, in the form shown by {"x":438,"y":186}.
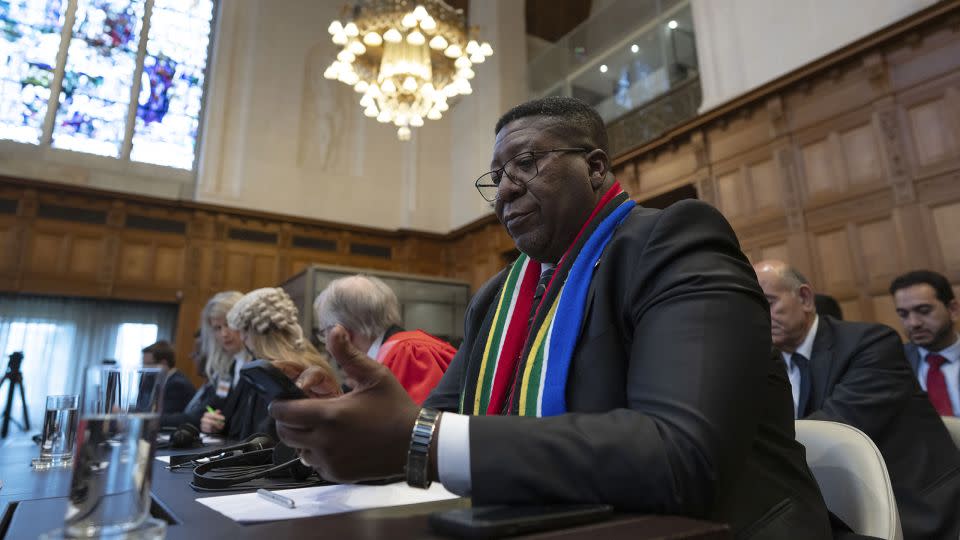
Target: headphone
{"x":257,"y":458}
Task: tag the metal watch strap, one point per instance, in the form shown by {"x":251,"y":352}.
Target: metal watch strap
{"x":418,"y":457}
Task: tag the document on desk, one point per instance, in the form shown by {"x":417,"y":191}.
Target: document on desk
{"x":322,"y":500}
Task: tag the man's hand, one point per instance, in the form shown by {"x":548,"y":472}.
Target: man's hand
{"x":361,"y":435}
{"x":212,"y":422}
{"x":315,"y":381}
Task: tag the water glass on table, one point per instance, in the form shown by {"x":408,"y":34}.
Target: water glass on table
{"x":59,"y":433}
{"x":113,"y":459}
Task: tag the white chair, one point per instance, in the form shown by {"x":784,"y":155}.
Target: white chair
{"x":953,"y":426}
{"x":852,"y":477}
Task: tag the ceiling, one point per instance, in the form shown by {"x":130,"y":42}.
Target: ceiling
{"x":544,"y":19}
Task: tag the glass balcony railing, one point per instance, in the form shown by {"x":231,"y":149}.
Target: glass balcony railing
{"x":623,"y":59}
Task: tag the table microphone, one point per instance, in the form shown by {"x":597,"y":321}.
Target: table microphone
{"x":257,"y":441}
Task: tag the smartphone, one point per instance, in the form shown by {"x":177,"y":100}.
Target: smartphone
{"x":499,"y":521}
{"x":270,"y":381}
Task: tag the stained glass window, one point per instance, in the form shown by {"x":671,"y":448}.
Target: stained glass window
{"x":29,"y":41}
{"x":113,"y":95}
{"x":98,"y":77}
{"x":171,"y":87}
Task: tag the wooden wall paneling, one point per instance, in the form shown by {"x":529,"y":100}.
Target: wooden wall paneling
{"x":861,"y":155}
{"x":879,"y":252}
{"x":765,"y":185}
{"x":820,"y":169}
{"x":946,"y":220}
{"x":731,"y":199}
{"x":665,"y":168}
{"x":933,"y":137}
{"x":834,"y":261}
{"x":852,"y":309}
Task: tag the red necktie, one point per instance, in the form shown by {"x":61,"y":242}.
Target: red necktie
{"x":937,"y":385}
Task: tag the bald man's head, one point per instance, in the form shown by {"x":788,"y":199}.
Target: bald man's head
{"x":790,"y":295}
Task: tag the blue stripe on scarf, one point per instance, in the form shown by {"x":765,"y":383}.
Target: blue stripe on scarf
{"x":566,"y":327}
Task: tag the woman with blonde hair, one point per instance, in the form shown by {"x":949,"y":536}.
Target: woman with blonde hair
{"x":266,"y":320}
{"x":225,"y":355}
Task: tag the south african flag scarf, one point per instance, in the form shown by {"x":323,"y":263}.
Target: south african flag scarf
{"x":524,"y":370}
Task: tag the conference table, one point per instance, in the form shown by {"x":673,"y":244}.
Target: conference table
{"x":34,"y":502}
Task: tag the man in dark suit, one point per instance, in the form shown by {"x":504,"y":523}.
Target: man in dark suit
{"x":177,"y":388}
{"x":670,"y":404}
{"x":929,"y":312}
{"x":856,"y":373}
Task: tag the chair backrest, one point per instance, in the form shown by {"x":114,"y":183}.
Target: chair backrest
{"x":953,"y":426}
{"x":852,"y":477}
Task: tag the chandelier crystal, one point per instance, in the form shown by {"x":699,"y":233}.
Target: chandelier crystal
{"x":406,"y":59}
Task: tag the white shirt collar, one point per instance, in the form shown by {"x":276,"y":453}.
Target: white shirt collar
{"x":805,"y":348}
{"x":951,"y":353}
{"x":375,"y":346}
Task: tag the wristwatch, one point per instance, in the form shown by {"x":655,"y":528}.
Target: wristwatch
{"x":418,"y":457}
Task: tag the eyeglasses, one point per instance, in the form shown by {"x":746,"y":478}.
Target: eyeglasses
{"x":520,"y":169}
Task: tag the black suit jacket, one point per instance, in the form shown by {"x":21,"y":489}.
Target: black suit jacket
{"x":674,"y":404}
{"x":859,"y":377}
{"x":177,"y":391}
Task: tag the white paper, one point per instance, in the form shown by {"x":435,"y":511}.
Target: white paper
{"x":165,"y":459}
{"x":323,"y":500}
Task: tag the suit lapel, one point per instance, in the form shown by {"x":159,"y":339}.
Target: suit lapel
{"x":821,"y":365}
{"x":913,"y":356}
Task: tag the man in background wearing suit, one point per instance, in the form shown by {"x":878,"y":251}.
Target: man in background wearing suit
{"x":929,"y":313}
{"x":646,"y":384}
{"x":856,"y":373}
{"x":177,"y":388}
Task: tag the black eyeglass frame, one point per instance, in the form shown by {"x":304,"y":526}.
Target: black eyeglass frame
{"x":502,"y":171}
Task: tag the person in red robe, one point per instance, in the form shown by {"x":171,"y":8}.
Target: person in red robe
{"x":370,"y":312}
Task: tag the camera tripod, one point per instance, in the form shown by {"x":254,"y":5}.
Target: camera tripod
{"x":15,"y":376}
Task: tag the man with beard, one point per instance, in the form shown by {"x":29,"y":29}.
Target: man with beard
{"x":855,"y":373}
{"x":929,"y":311}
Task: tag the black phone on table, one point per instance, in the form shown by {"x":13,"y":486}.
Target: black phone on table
{"x":270,"y":382}
{"x":499,"y":521}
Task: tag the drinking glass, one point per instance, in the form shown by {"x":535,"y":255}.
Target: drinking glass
{"x":113,"y":459}
{"x":59,"y":433}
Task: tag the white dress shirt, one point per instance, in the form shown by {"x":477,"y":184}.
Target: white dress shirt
{"x":793,"y":370}
{"x":374,"y":349}
{"x":950,"y":369}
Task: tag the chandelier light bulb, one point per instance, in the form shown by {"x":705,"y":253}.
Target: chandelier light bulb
{"x":372,"y":39}
{"x":366,"y":100}
{"x":350,"y":78}
{"x":330,"y":73}
{"x":416,"y":120}
{"x":351,"y":30}
{"x":409,"y":20}
{"x":410,"y":84}
{"x":466,"y":90}
{"x":453,"y":51}
{"x":441,"y":106}
{"x":428,"y":23}
{"x":335,"y":28}
{"x":477,"y":58}
{"x":438,"y":43}
{"x":388,"y":87}
{"x":374,"y":90}
{"x":486,"y":49}
{"x":466,"y":73}
{"x":416,"y":38}
{"x":361,"y":87}
{"x":403,"y":133}
{"x":346,"y":56}
{"x":371,"y":112}
{"x":434,"y":114}
{"x":340,"y":38}
{"x":392,"y":36}
{"x":473,"y":47}
{"x":450,"y":90}
{"x":357,"y":48}
{"x":463,"y":62}
{"x":420,"y":13}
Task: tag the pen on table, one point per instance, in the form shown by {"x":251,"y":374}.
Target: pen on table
{"x":276,"y":498}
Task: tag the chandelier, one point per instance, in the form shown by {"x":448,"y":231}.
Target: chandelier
{"x":405,"y":59}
